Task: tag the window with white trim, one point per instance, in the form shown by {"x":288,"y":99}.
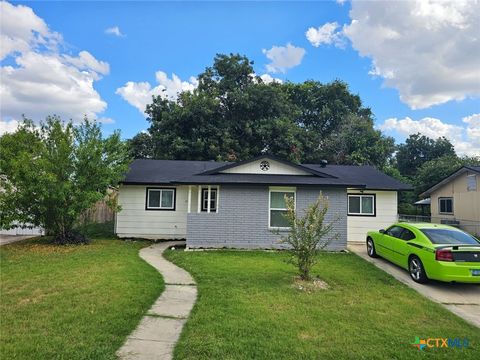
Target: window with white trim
{"x":213,"y":200}
{"x":445,"y":205}
{"x":160,"y":199}
{"x":361,"y":204}
{"x":278,"y":208}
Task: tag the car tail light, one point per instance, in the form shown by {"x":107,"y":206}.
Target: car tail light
{"x":443,"y":255}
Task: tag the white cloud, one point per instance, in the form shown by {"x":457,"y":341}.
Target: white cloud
{"x":325,"y":34}
{"x":8,"y":126}
{"x":115,"y":30}
{"x":44,"y":80}
{"x":427,"y":50}
{"x":139,"y":94}
{"x":341,"y":2}
{"x":473,"y":129}
{"x":283,"y":57}
{"x":21,"y":30}
{"x":267,"y":79}
{"x":85,"y":61}
{"x":466,"y":139}
{"x":105,"y":120}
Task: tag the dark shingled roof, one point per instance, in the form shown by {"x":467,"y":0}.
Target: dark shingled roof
{"x":150,"y":172}
{"x":366,"y":174}
{"x":474,"y":168}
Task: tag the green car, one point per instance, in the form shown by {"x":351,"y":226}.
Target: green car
{"x":428,"y":251}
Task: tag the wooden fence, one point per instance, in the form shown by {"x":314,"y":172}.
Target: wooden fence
{"x":100,"y":213}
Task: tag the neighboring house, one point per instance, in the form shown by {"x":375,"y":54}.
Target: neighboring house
{"x":240,"y":205}
{"x":22,"y":230}
{"x":456,"y":199}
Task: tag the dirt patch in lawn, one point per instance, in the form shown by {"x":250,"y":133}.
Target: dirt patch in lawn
{"x":313,"y":285}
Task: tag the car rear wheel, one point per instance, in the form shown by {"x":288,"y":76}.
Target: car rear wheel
{"x":371,"y":248}
{"x":417,"y":271}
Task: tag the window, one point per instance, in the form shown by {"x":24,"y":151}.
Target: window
{"x":471,"y":182}
{"x":407,"y":235}
{"x":447,"y":236}
{"x":361,"y":204}
{"x":445,"y":205}
{"x":278,"y":208}
{"x":160,"y":199}
{"x":395,"y":231}
{"x":213,"y":200}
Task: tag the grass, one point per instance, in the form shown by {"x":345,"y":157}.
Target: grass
{"x":247,"y":308}
{"x":95,"y":230}
{"x":72,"y":302}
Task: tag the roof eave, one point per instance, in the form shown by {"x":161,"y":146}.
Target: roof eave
{"x":447,"y":179}
{"x":388,"y":189}
{"x":273,"y":183}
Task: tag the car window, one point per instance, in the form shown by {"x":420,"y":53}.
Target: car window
{"x":407,"y":235}
{"x":395,"y":231}
{"x":447,"y":236}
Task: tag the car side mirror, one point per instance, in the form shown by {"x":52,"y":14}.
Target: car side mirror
{"x":381,"y":231}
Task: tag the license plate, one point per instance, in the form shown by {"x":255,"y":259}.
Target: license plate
{"x":476,"y":272}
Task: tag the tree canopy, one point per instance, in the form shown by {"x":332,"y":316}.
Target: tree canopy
{"x":51,"y":174}
{"x":419,"y":149}
{"x":235,"y":115}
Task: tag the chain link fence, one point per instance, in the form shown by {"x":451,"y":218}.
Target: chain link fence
{"x":470,"y":226}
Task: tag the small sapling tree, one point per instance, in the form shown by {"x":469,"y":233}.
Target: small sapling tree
{"x":309,"y":234}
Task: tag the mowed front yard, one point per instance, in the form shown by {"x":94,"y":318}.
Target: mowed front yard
{"x":72,"y":302}
{"x":247,"y":308}
{"x":80,"y":302}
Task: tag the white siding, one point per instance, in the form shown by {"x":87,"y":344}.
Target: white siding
{"x":136,"y":222}
{"x":386,"y":215}
{"x":276,"y":168}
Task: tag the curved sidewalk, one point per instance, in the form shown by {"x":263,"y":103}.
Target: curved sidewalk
{"x":159,"y":330}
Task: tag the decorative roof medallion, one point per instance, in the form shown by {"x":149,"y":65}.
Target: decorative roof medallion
{"x":264,"y":166}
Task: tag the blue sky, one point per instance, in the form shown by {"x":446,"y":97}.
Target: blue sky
{"x":420,"y":82}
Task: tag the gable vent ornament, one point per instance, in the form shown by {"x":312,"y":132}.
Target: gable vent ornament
{"x":264,"y":166}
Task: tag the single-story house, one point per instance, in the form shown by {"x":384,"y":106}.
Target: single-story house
{"x":455,"y":200}
{"x":240,"y":205}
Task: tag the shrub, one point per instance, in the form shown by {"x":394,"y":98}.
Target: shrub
{"x":309,"y":234}
{"x":52,"y":174}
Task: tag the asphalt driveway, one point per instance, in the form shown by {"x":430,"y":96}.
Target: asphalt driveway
{"x":461,"y":299}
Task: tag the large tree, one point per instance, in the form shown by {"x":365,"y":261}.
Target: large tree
{"x":418,"y":149}
{"x":356,"y":142}
{"x":51,"y":174}
{"x":234,"y":115}
{"x":433,"y":171}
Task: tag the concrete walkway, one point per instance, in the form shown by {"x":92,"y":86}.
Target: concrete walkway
{"x":461,"y":299}
{"x":159,"y":330}
{"x":8,"y":239}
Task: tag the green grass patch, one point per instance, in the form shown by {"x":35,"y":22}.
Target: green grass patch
{"x":248,"y":308}
{"x":72,"y":302}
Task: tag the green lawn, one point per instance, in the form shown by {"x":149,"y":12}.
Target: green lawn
{"x":72,"y":302}
{"x":248,"y":309}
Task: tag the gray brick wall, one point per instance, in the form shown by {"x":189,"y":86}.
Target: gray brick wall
{"x":242,"y":219}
